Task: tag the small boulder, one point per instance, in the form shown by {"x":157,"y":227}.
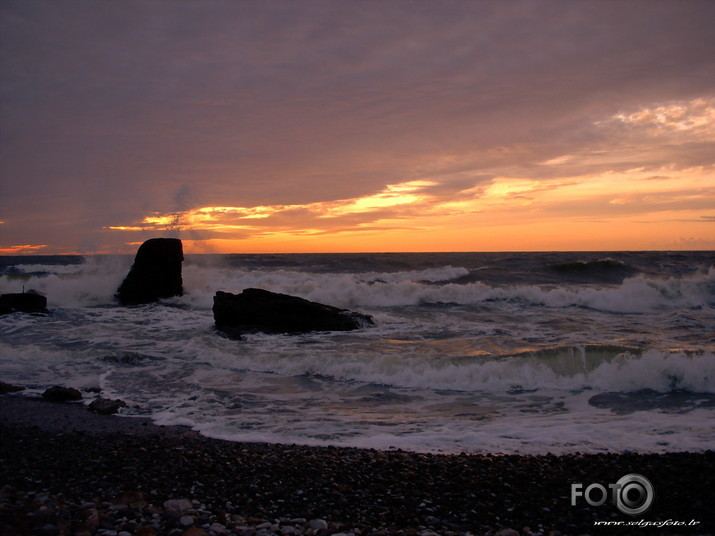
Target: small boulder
{"x":58,"y":393}
{"x":270,"y":312}
{"x":318,"y":524}
{"x":155,"y":274}
{"x":105,"y":406}
{"x":194,"y":531}
{"x":6,"y":388}
{"x":178,"y":505}
{"x":25,"y":302}
{"x":130,"y":498}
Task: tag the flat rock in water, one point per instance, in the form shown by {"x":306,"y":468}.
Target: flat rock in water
{"x":270,"y":312}
{"x":155,"y":274}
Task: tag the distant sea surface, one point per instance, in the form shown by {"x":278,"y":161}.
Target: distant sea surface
{"x":472,"y":352}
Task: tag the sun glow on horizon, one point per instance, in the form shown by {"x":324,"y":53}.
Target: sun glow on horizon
{"x":23,"y":249}
{"x":610,"y":210}
{"x":632,"y":193}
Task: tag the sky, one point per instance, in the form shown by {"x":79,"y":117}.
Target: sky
{"x":357,"y":125}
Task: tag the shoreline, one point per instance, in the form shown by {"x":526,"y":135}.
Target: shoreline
{"x":85,"y":474}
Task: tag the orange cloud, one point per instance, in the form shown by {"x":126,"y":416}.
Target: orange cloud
{"x":227,"y":219}
{"x":633,"y":189}
{"x":695,"y":117}
{"x":21,"y":249}
{"x":625,"y":210}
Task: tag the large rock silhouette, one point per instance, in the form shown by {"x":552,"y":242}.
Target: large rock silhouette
{"x":155,"y":274}
{"x":256,"y":309}
{"x":27,"y":302}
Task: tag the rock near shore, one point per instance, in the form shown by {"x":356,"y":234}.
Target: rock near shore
{"x":25,"y":302}
{"x":57,"y":393}
{"x":105,"y":406}
{"x":155,"y":274}
{"x":270,"y":312}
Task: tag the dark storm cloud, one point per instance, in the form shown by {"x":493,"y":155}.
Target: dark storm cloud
{"x":112,"y":111}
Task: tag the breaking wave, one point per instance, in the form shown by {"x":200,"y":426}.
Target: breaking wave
{"x":564,"y":368}
{"x":94,"y":282}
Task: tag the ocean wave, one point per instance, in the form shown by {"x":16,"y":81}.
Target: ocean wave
{"x":95,"y":281}
{"x":605,"y":271}
{"x":92,"y":282}
{"x":638,"y":294}
{"x":596,"y":367}
{"x":635,"y":295}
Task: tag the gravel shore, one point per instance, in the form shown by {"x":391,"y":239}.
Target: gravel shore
{"x":67,"y":471}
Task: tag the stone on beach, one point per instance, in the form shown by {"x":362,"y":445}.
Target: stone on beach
{"x":6,"y":388}
{"x":106,"y":406}
{"x":25,"y":302}
{"x":194,"y":531}
{"x":58,"y":393}
{"x":178,"y":505}
{"x":186,"y":520}
{"x":155,"y":274}
{"x":131,"y":498}
{"x":318,"y":524}
{"x":270,"y":312}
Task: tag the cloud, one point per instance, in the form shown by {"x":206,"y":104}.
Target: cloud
{"x":22,"y":249}
{"x":115,"y":112}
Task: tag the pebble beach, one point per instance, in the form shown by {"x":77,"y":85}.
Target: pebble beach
{"x":67,"y":471}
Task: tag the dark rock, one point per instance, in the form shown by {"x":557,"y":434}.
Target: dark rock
{"x":58,"y":393}
{"x":131,"y":498}
{"x":105,"y":406}
{"x":6,"y":388}
{"x":261,"y":310}
{"x":155,"y":274}
{"x":26,"y":302}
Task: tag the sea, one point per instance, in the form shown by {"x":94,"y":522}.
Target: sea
{"x":526,"y":353}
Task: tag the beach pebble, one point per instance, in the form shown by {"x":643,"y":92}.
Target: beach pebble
{"x":318,"y":524}
{"x":218,"y":528}
{"x":194,"y":531}
{"x":186,"y":521}
{"x":133,"y":499}
{"x":178,"y":505}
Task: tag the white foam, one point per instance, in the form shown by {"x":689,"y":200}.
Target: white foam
{"x":95,"y":282}
{"x":553,"y":421}
{"x":415,"y":365}
{"x":636,"y":295}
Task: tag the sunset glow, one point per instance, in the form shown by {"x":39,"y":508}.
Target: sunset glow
{"x":413,"y":131}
